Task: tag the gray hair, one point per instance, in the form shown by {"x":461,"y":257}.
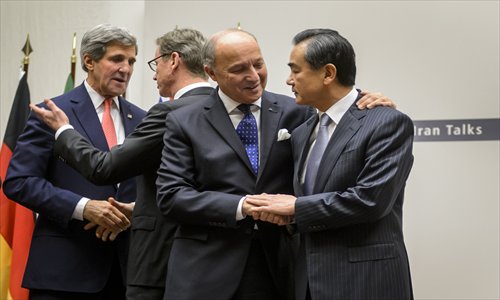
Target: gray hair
{"x":95,"y":41}
{"x":211,"y":44}
{"x":188,"y":43}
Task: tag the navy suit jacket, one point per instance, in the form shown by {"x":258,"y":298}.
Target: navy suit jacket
{"x":204,"y":173}
{"x":63,"y":256}
{"x":140,"y":154}
{"x":352,"y":243}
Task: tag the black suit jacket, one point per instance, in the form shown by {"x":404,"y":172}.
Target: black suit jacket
{"x":63,"y":256}
{"x":204,"y":173}
{"x":140,"y":154}
{"x":351,"y":227}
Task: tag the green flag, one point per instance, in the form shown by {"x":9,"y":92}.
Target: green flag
{"x":69,"y":84}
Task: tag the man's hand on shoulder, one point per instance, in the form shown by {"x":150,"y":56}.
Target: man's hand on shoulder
{"x":54,"y":117}
{"x":373,"y":99}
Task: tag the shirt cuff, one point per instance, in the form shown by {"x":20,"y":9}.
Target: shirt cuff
{"x":239,"y":212}
{"x":78,"y":212}
{"x":63,"y":128}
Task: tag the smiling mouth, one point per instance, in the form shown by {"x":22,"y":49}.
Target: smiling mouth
{"x":253,"y":87}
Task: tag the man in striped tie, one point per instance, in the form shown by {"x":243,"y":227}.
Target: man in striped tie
{"x":351,"y":167}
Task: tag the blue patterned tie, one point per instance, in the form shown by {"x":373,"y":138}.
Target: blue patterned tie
{"x":247,"y":131}
{"x":316,"y":154}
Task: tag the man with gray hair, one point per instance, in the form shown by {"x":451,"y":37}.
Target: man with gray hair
{"x":178,"y":67}
{"x":66,"y":261}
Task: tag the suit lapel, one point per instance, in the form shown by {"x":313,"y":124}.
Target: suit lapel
{"x":345,"y":130}
{"x":303,"y":137}
{"x":217,"y":116}
{"x":270,"y":115}
{"x":86,"y":116}
{"x":127,"y":116}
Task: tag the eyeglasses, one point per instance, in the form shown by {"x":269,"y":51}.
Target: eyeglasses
{"x":153,"y":64}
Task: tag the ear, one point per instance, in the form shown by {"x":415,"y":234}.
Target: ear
{"x":330,"y":73}
{"x":88,"y":62}
{"x":210,"y":72}
{"x":175,"y":60}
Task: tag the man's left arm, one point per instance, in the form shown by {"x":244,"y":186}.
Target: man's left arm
{"x":386,"y":159}
{"x":388,"y":163}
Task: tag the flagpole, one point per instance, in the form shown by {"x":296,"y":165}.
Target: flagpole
{"x":27,"y":51}
{"x":73,"y":58}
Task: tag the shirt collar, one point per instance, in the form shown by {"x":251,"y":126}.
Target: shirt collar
{"x":97,"y":99}
{"x":190,"y":87}
{"x":337,"y":111}
{"x":230,"y":104}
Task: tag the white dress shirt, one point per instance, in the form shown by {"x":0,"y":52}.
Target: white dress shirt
{"x":236,"y":116}
{"x":189,"y":87}
{"x":98,"y":102}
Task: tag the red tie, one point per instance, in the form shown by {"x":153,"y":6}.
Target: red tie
{"x":107,"y":124}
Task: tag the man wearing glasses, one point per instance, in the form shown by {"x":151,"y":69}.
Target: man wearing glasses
{"x":178,"y":67}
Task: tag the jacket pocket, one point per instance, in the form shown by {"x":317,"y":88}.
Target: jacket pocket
{"x":372,"y":252}
{"x":144,"y":223}
{"x":185,"y":232}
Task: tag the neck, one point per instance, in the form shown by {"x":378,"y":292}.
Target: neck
{"x":183,"y":82}
{"x":335,"y":94}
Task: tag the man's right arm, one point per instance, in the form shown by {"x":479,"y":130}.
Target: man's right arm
{"x":26,"y":181}
{"x":140,"y":150}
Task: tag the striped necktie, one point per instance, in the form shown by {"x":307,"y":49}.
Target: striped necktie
{"x":316,"y":154}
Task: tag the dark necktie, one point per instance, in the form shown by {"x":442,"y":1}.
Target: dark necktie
{"x":248,"y":133}
{"x":107,"y":124}
{"x":316,"y":154}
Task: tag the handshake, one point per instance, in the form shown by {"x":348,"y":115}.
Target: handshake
{"x":278,"y":209}
{"x":108,"y":217}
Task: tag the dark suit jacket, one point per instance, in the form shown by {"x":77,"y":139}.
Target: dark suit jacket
{"x":351,"y":227}
{"x":63,"y":256}
{"x":140,"y":154}
{"x":204,"y":173}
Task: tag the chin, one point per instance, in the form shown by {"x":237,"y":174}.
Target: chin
{"x":255,"y":95}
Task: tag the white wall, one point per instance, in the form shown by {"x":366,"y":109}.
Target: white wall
{"x":435,"y":59}
{"x":50,"y":25}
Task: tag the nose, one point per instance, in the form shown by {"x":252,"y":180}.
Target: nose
{"x":154,"y":77}
{"x":253,"y":74}
{"x":125,"y":67}
{"x":289,"y":80}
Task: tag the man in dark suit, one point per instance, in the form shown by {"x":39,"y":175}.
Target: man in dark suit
{"x":205,"y":174}
{"x":179,"y":73}
{"x":208,"y":166}
{"x":65,"y":260}
{"x":350,"y":173}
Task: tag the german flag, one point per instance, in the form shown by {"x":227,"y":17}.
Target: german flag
{"x":16,"y":221}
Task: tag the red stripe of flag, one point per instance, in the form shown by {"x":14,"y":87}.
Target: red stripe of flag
{"x":16,"y":221}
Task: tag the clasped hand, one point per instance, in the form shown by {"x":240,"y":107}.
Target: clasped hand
{"x":110,"y":217}
{"x":277,"y":209}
